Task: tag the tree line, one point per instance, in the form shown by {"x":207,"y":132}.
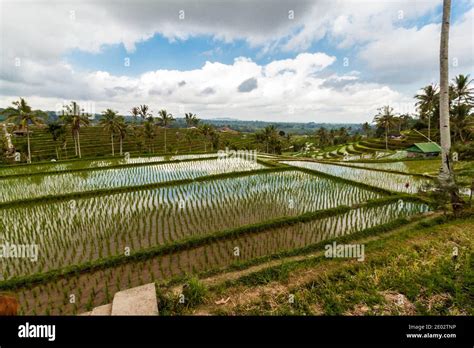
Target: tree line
{"x":72,"y":119}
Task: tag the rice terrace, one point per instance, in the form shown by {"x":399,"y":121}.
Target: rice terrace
{"x":237,"y":205}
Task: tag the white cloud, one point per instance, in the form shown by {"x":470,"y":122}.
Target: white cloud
{"x":379,"y":34}
{"x":285,"y":90}
{"x":411,"y":54}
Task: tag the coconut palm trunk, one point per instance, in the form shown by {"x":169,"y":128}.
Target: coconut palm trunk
{"x":112,"y":141}
{"x":446,"y":174}
{"x":165,"y":139}
{"x":79,"y":144}
{"x":121,"y":145}
{"x":28,"y":141}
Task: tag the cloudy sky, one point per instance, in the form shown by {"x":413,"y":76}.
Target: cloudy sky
{"x":280,"y":60}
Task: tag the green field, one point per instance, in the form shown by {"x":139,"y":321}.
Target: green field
{"x":114,"y":223}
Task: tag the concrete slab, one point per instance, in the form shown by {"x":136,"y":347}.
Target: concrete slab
{"x":140,"y":300}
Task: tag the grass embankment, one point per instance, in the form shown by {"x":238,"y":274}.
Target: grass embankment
{"x":112,"y":166}
{"x":409,"y":271}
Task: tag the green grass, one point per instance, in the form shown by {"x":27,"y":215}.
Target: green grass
{"x":408,"y":272}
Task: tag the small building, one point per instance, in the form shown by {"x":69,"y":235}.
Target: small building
{"x":424,"y":150}
{"x":227,"y":130}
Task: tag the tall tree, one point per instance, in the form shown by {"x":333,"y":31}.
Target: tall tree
{"x":22,"y":115}
{"x":145,"y":113}
{"x":110,"y":121}
{"x":206,"y":131}
{"x":322,"y":134}
{"x":462,"y":90}
{"x":122,"y":132}
{"x":366,"y":129}
{"x":446,"y":173}
{"x":385,"y":119}
{"x":150,"y":133}
{"x":460,"y":119}
{"x":75,"y":118}
{"x":427,"y":103}
{"x":463,"y":103}
{"x":404,"y":121}
{"x":57,"y":131}
{"x":191,"y":120}
{"x":164,"y":120}
{"x":269,"y":137}
{"x":189,"y":136}
{"x":135,"y":112}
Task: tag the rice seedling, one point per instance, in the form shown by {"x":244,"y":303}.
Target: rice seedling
{"x":212,"y":256}
{"x":96,"y":163}
{"x":55,"y":184}
{"x":388,"y":181}
{"x":96,"y":227}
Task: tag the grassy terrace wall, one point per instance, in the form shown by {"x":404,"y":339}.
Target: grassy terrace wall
{"x":113,"y":166}
{"x":95,"y":142}
{"x":110,"y":191}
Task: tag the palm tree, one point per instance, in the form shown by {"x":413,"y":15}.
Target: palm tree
{"x":145,"y":113}
{"x":165,"y":119}
{"x":110,"y":121}
{"x":446,"y":173}
{"x":73,"y":117}
{"x":149,"y":133}
{"x":122,"y":131}
{"x":215,"y":138}
{"x":427,"y":103}
{"x":58,"y":132}
{"x":267,"y":136}
{"x":322,"y":134}
{"x":460,"y":119}
{"x":190,"y":135}
{"x":206,"y":131}
{"x":384,"y":119}
{"x":366,"y":129}
{"x":191,"y":120}
{"x":135,"y":113}
{"x":463,"y":97}
{"x":22,"y":115}
{"x":463,"y":92}
{"x":404,"y":121}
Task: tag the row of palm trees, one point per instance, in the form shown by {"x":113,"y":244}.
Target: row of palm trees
{"x":332,"y":136}
{"x":461,"y":97}
{"x":73,"y":118}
